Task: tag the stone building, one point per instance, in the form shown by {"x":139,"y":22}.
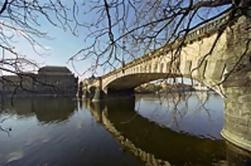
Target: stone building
{"x":49,"y":80}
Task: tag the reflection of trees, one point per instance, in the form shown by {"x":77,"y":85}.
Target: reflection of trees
{"x":173,"y":101}
{"x":146,"y":137}
{"x":202,"y":104}
{"x":158,"y":146}
{"x":46,"y":109}
{"x":7,"y":131}
{"x":179,"y":104}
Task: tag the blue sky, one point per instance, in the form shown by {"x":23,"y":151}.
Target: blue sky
{"x":61,"y":45}
{"x":58,"y":47}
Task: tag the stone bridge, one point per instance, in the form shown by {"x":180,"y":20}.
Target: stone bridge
{"x":227,"y":70}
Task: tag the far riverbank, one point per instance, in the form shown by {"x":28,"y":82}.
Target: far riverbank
{"x":160,"y":88}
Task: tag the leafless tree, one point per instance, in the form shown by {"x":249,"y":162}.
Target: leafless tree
{"x":2,"y":129}
{"x":118,"y":30}
{"x":21,"y":21}
{"x":125,"y":29}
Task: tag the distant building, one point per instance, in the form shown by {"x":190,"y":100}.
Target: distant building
{"x":50,"y":80}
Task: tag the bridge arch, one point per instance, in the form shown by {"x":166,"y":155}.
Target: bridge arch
{"x":131,"y":81}
{"x":226,"y":69}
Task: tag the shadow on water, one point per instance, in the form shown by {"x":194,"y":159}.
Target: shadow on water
{"x":156,"y":145}
{"x":46,"y":109}
{"x":55,"y":131}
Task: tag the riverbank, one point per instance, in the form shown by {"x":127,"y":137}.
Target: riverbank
{"x":158,"y":88}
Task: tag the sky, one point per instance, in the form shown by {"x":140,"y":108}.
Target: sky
{"x":60,"y":46}
{"x":59,"y":49}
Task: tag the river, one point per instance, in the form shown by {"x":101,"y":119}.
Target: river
{"x":172,"y":129}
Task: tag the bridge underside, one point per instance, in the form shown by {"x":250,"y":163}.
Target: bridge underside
{"x":226,"y":70}
{"x":132,"y":81}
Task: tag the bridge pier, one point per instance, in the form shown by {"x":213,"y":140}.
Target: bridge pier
{"x":237,"y":116}
{"x":120,"y":93}
{"x":98,"y":95}
{"x":237,"y":104}
{"x":86,"y":94}
{"x":227,"y":69}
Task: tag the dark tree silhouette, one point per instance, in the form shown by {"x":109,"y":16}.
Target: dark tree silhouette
{"x":125,"y":29}
{"x":21,"y":21}
{"x":118,"y":30}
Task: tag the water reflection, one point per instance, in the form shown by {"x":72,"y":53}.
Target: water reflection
{"x":46,"y":109}
{"x":55,"y":131}
{"x":194,"y":113}
{"x":147,"y":133}
{"x":237,"y":156}
{"x":164,"y":130}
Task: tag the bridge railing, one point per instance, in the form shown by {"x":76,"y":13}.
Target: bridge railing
{"x":198,"y":33}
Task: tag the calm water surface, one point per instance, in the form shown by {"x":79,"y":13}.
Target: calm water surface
{"x":176,"y":129}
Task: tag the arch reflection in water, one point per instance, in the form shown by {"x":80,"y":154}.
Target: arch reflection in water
{"x":195,"y":113}
{"x":156,"y":145}
{"x":46,"y":109}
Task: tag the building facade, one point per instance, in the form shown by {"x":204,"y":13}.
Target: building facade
{"x":49,"y":81}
